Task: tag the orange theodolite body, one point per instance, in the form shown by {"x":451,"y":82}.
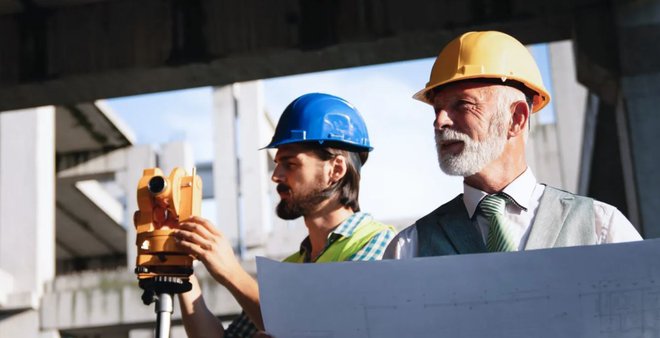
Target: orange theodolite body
{"x":162,"y":203}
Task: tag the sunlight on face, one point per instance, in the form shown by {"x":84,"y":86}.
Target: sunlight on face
{"x":301,"y":183}
{"x":476,"y":154}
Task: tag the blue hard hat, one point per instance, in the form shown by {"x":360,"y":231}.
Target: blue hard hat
{"x":322,"y":118}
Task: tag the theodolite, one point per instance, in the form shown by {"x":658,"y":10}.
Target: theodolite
{"x":161,"y":267}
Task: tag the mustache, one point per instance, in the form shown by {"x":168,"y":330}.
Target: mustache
{"x":282,"y":188}
{"x":450,"y":135}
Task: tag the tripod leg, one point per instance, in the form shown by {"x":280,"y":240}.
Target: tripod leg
{"x":164,"y":309}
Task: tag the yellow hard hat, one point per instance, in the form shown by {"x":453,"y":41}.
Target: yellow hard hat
{"x":488,"y":55}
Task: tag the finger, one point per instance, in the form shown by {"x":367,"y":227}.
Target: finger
{"x":197,"y":228}
{"x":191,"y":249}
{"x":187,"y":237}
{"x":205,"y":223}
{"x":199,"y":251}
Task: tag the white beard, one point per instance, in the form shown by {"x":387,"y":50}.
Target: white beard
{"x":475,"y":154}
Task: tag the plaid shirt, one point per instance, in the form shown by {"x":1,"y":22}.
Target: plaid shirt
{"x":242,"y":327}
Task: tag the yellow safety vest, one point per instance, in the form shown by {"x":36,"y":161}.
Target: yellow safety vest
{"x":345,"y":247}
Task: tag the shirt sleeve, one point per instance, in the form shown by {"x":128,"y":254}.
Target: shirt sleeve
{"x":404,"y":245}
{"x":375,"y":248}
{"x":241,"y":327}
{"x":612,"y":226}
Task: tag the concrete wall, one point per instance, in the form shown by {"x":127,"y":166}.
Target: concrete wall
{"x":92,"y":301}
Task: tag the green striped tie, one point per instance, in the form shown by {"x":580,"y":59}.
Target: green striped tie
{"x":499,"y":235}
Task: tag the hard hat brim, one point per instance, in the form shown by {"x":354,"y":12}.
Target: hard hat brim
{"x":327,"y":143}
{"x":541,"y":99}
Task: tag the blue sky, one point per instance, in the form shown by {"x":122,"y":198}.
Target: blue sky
{"x":401,"y":179}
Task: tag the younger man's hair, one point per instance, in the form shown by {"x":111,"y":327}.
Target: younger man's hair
{"x":347,"y":189}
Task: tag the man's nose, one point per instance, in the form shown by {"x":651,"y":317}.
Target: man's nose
{"x":277,"y":175}
{"x":442,"y":119}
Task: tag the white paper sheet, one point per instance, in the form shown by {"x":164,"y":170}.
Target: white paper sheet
{"x":598,"y":291}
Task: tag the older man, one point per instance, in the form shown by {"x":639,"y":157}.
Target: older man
{"x":483,"y":88}
{"x":321,"y":143}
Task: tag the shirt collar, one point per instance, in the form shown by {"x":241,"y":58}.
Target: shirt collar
{"x":345,"y":229}
{"x":519,"y":191}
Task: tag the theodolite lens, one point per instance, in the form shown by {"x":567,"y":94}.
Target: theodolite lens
{"x":157,"y":184}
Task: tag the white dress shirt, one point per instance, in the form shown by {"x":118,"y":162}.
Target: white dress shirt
{"x":611,"y":226}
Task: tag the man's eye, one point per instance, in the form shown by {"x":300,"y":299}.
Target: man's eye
{"x":463,"y":104}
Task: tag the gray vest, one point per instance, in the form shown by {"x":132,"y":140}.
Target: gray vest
{"x":562,"y":219}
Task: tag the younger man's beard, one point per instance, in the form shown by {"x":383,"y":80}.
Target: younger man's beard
{"x":302,"y":204}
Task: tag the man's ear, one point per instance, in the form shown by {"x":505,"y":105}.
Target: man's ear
{"x":338,"y":168}
{"x":519,"y":118}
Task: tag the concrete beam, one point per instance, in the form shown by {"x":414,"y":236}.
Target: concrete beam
{"x":87,"y":127}
{"x":65,"y":56}
{"x":95,"y":165}
{"x":90,"y":223}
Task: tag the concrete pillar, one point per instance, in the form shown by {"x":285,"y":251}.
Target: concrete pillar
{"x":639,"y":122}
{"x":27,"y":215}
{"x":137,"y":159}
{"x":637,"y":115}
{"x":619,"y":61}
{"x":569,"y":100}
{"x":176,"y":154}
{"x":254,"y":133}
{"x":225,"y":162}
{"x":543,"y":154}
{"x":240,"y":170}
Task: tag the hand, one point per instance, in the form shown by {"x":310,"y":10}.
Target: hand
{"x":199,"y":238}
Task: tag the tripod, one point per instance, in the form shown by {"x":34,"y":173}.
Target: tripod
{"x":160,"y":289}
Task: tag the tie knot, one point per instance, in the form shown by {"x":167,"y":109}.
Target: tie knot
{"x":493,"y":205}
